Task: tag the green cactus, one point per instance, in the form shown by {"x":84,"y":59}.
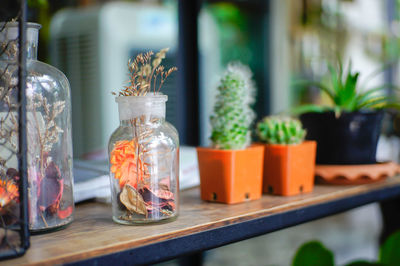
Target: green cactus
{"x":233,"y":115}
{"x":280,"y":130}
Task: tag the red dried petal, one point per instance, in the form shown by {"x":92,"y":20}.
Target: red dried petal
{"x":62,"y":214}
{"x":157,"y":195}
{"x":50,"y":189}
{"x":166,"y":182}
{"x":151,"y":205}
{"x":13,"y":174}
{"x":157,"y":199}
{"x":171,"y":204}
{"x":8,"y":192}
{"x":52,"y":171}
{"x":164,"y":194}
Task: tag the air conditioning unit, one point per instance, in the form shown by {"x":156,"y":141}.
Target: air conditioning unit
{"x":92,"y":46}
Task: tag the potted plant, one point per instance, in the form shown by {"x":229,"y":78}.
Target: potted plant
{"x":231,"y":170}
{"x":289,"y":161}
{"x":347,"y":131}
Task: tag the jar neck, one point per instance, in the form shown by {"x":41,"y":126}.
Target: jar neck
{"x":136,"y":110}
{"x":143,"y":121}
{"x":9,"y":41}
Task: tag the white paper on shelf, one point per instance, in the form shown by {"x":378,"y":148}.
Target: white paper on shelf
{"x":388,"y":149}
{"x":188,"y":168}
{"x":94,"y":188}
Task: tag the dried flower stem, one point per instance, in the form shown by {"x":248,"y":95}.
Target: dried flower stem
{"x":143,"y":74}
{"x":43,"y":219}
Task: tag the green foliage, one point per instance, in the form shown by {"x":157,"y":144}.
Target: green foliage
{"x":233,"y":31}
{"x":364,"y":263}
{"x":280,"y":130}
{"x":390,"y":251}
{"x":38,"y":3}
{"x":347,"y":95}
{"x":313,"y":253}
{"x":233,"y":115}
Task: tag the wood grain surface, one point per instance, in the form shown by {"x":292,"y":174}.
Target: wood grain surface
{"x":93,"y":233}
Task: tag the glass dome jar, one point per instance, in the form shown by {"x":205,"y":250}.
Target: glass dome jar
{"x":144,"y":162}
{"x":50,"y":179}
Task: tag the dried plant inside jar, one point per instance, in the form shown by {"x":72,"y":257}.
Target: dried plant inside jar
{"x":48,"y":130}
{"x":9,"y":176}
{"x":49,"y":205}
{"x":142,"y":157}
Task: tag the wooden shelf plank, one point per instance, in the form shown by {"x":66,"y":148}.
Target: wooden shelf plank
{"x":200,"y":225}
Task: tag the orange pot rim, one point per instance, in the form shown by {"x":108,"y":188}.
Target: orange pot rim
{"x":288,"y":145}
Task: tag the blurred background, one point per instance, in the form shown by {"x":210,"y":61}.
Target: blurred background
{"x":281,"y":41}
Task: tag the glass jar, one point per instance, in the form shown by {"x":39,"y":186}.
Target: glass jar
{"x":50,"y":179}
{"x":144,"y":162}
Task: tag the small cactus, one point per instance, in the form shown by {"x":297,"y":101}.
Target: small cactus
{"x":280,"y":130}
{"x":233,"y":115}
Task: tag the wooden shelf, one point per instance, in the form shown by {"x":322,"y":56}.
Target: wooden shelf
{"x":94,"y":237}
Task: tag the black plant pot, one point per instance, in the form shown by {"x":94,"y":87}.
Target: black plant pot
{"x":351,"y":138}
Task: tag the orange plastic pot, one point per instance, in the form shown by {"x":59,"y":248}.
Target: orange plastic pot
{"x":289,"y":169}
{"x":231,"y":176}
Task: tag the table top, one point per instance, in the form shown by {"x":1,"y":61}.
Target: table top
{"x":94,"y":238}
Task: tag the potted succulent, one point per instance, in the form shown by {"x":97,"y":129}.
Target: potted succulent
{"x":231,"y":170}
{"x":347,"y":131}
{"x":289,"y":161}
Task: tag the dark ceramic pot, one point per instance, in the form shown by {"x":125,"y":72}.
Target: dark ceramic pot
{"x":351,"y":138}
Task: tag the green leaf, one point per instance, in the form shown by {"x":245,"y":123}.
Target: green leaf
{"x":38,"y":3}
{"x":349,"y":92}
{"x":370,"y":94}
{"x":313,"y":253}
{"x":340,"y":64}
{"x":336,"y":81}
{"x":309,"y":108}
{"x":390,"y":251}
{"x":391,"y":105}
{"x":319,"y":85}
{"x":375,"y":102}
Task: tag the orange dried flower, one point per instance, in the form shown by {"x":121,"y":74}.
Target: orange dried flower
{"x":8,"y":192}
{"x":125,"y":164}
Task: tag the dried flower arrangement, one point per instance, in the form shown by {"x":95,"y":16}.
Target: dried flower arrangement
{"x":9,"y":194}
{"x":130,"y":161}
{"x":8,"y":125}
{"x":146,"y":75}
{"x":9,"y":176}
{"x":9,"y":206}
{"x":47,"y":111}
{"x":46,"y":183}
